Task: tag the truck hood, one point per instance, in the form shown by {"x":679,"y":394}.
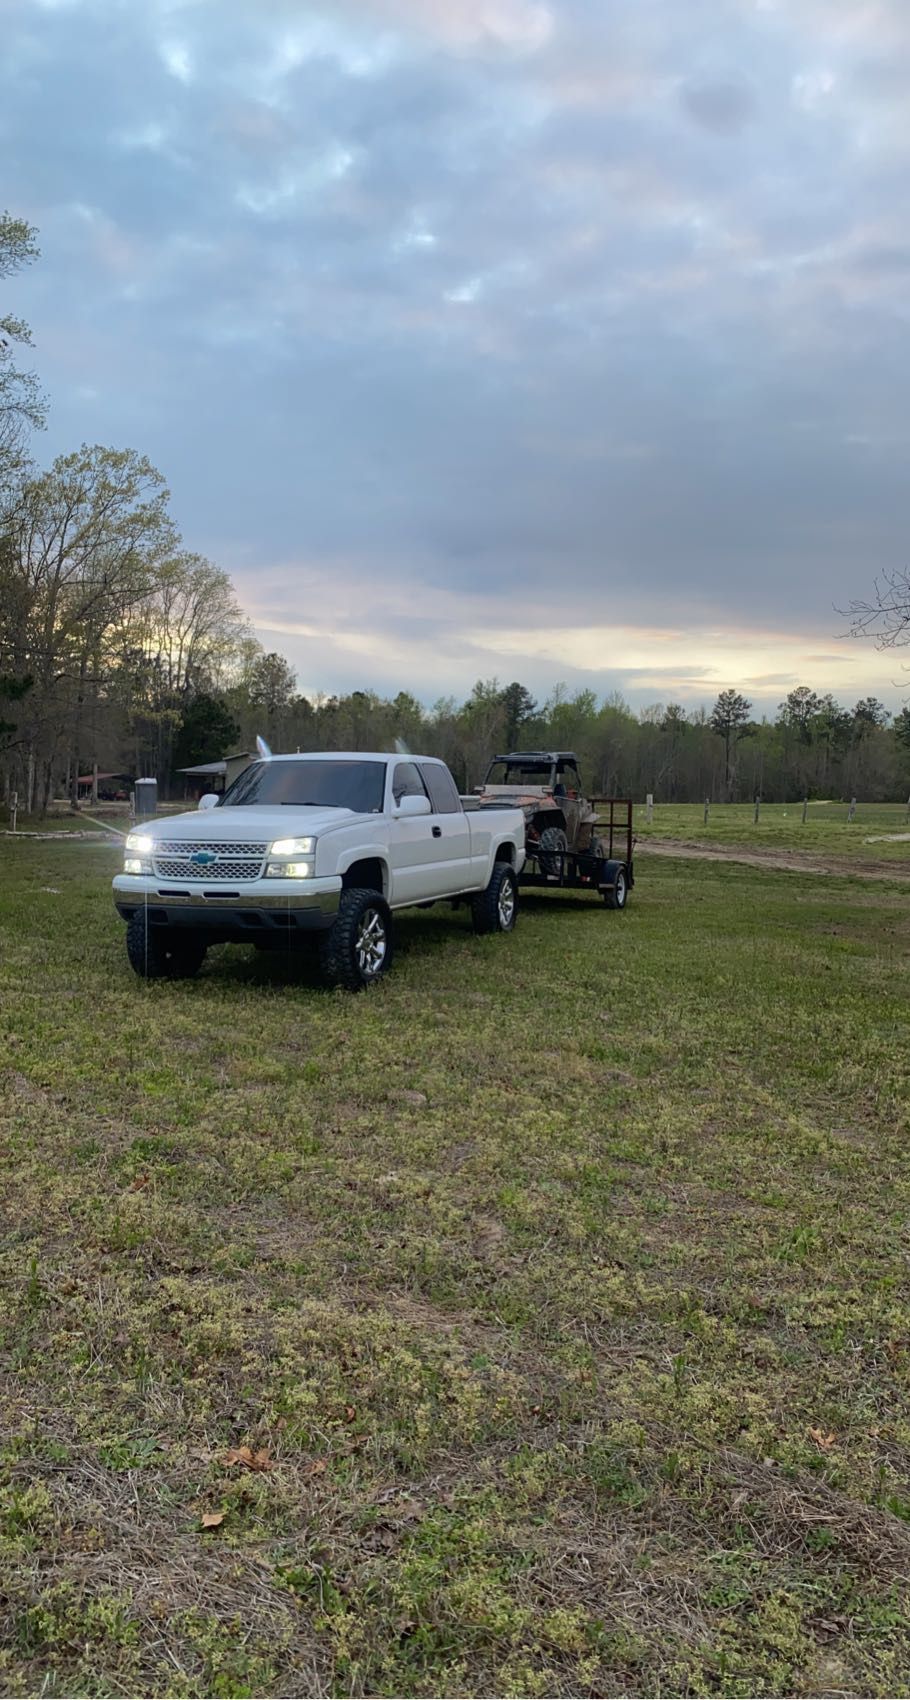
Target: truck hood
{"x":249,"y":824}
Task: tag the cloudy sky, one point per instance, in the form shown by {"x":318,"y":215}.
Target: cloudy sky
{"x":544,"y":339}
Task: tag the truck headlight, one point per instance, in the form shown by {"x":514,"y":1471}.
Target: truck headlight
{"x":136,"y":865}
{"x":292,"y":847}
{"x":141,"y":842}
{"x":296,"y":859}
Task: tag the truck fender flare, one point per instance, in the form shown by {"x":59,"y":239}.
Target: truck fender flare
{"x":366,"y":853}
{"x":505,"y":850}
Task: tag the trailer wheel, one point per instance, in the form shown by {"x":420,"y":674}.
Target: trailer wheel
{"x":616,"y":897}
{"x":554,"y":840}
{"x":494,"y":910}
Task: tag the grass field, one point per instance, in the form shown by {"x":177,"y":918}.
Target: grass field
{"x":557,"y":1289}
{"x":780,"y":827}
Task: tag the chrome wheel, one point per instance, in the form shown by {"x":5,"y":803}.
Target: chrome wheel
{"x":370,"y":943}
{"x":506,"y":904}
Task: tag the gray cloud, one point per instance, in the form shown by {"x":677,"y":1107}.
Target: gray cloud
{"x":723,"y":107}
{"x":539,"y":303}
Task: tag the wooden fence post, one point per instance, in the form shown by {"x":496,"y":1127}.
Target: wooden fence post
{"x":13,"y":808}
{"x":757,"y":809}
{"x":851,"y":812}
{"x":707,"y":807}
{"x":649,"y":805}
{"x":805,"y":809}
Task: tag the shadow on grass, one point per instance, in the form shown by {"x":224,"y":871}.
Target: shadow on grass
{"x":421,"y":936}
{"x":537,"y":901}
{"x":418,"y":938}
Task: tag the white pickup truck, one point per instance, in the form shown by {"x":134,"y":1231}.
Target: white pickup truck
{"x":324,"y":844}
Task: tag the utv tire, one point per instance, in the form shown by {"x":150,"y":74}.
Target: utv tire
{"x":357,"y":949}
{"x":495,"y":909}
{"x":160,"y":953}
{"x":552,"y":839}
{"x":618,"y":894}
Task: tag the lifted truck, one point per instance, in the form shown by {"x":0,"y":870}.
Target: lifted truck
{"x":321,"y":847}
{"x":566,"y":841}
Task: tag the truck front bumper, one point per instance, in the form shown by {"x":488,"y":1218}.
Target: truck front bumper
{"x":266,"y":909}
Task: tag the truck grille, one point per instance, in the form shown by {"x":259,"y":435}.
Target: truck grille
{"x":235,"y":861}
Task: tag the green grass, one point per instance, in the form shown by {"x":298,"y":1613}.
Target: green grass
{"x":73,"y":825}
{"x":780,"y":827}
{"x":533,"y":1272}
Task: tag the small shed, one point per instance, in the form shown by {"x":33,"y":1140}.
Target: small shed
{"x":234,"y":765}
{"x":213,"y":775}
{"x":206,"y":776}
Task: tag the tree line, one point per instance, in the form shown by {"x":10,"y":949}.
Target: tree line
{"x":122,"y":652}
{"x":812,"y":747}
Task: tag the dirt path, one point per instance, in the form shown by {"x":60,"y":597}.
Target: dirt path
{"x":788,"y":861}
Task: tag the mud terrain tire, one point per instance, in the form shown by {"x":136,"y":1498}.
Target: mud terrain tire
{"x":495,"y":909}
{"x":552,"y":839}
{"x":160,"y":953}
{"x":357,"y":949}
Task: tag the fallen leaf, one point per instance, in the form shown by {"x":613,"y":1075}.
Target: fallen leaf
{"x":211,"y":1519}
{"x":823,"y":1441}
{"x":316,"y":1468}
{"x":139,"y":1182}
{"x":350,"y":1412}
{"x":238,"y":1455}
{"x":249,"y":1459}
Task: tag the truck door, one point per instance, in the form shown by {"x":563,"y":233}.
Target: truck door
{"x":451,"y":828}
{"x":416,"y":851}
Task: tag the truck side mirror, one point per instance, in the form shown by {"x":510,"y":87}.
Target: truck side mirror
{"x":209,"y":801}
{"x":411,"y":805}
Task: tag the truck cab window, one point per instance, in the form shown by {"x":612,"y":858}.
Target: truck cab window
{"x":406,"y":782}
{"x":441,"y":786}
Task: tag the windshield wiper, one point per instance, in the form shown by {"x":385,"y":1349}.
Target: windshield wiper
{"x":309,"y":803}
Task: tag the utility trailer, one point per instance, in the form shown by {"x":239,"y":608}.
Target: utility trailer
{"x":566,"y":842}
{"x":606,"y":866}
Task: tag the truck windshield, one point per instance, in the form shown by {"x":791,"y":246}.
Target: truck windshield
{"x":357,"y":785}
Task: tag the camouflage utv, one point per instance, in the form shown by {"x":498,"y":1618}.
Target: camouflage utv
{"x":558,"y":816}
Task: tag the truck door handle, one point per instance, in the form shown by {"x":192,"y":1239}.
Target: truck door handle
{"x":437,"y":832}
